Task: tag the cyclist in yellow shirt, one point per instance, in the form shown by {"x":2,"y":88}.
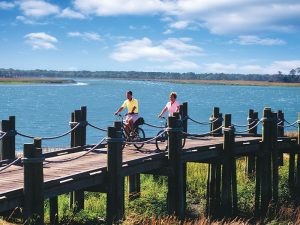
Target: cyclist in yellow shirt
{"x":133,"y":109}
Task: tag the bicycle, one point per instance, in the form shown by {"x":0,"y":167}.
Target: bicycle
{"x":161,"y":141}
{"x":135,"y":135}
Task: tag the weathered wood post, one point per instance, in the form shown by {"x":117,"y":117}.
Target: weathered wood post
{"x":115,"y":193}
{"x":280,"y":132}
{"x":214,"y":169}
{"x":79,"y":139}
{"x":275,"y":158}
{"x":7,"y":144}
{"x":263,"y":192}
{"x":33,"y":183}
{"x":297,"y":184}
{"x":250,"y":160}
{"x":229,"y":188}
{"x":177,"y":180}
{"x":183,"y":110}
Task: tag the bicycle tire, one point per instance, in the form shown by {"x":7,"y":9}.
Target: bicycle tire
{"x":140,"y":135}
{"x":161,"y":141}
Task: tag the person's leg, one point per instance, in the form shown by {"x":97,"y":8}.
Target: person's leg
{"x":130,"y":123}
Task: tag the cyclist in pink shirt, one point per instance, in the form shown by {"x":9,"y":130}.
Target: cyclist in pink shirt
{"x":172,"y":106}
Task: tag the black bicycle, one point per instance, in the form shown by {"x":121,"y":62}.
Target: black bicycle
{"x":161,"y":141}
{"x":136,"y":135}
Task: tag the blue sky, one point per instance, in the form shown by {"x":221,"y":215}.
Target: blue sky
{"x":230,"y":36}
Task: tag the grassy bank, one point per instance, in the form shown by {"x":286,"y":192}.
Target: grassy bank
{"x":151,"y":207}
{"x":35,"y":81}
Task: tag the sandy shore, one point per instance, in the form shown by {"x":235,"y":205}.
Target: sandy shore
{"x":35,"y":81}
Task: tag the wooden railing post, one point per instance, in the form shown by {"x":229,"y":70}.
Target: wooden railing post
{"x":79,"y":139}
{"x":263,"y":194}
{"x":297,"y":183}
{"x":229,"y":188}
{"x":183,"y":110}
{"x":250,"y":160}
{"x":177,"y":180}
{"x":8,"y":143}
{"x":275,"y":158}
{"x":115,"y":194}
{"x":280,"y":132}
{"x":33,"y":183}
{"x":214,"y":170}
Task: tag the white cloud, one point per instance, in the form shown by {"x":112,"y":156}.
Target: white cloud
{"x":218,"y":16}
{"x":255,"y":40}
{"x":6,"y":5}
{"x":69,"y":13}
{"x":122,"y":7}
{"x":88,"y":36}
{"x":284,"y":66}
{"x":180,"y":24}
{"x":41,"y":40}
{"x":27,"y":20}
{"x":172,"y":52}
{"x":182,"y":65}
{"x":38,"y":8}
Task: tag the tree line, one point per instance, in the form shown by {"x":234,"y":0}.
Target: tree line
{"x":292,"y":77}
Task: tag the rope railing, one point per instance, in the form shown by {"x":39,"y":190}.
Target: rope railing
{"x":289,"y":124}
{"x":251,"y":128}
{"x":77,"y":157}
{"x":147,"y":141}
{"x":3,"y":135}
{"x":95,"y":127}
{"x":250,"y":124}
{"x":154,"y":126}
{"x":50,"y":138}
{"x":204,"y":134}
{"x":203,"y":123}
{"x":10,"y":164}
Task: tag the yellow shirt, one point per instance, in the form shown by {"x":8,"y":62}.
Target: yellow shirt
{"x":130,"y":105}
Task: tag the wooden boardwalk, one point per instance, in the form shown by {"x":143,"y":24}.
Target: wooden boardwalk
{"x":78,"y":169}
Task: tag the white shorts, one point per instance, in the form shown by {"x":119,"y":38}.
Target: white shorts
{"x":134,"y":117}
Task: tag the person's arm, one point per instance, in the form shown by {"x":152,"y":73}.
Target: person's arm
{"x":163,"y":111}
{"x":177,"y":109}
{"x":119,"y":110}
{"x":132,"y":111}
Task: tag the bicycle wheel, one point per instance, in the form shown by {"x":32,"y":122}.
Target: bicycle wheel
{"x":161,"y":141}
{"x":138,"y":137}
{"x":123,"y":143}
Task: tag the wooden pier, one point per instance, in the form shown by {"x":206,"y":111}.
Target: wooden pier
{"x":28,"y":181}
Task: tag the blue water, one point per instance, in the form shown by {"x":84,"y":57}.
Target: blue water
{"x":45,"y":110}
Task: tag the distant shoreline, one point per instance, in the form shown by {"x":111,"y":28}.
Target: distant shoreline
{"x":34,"y":80}
{"x":215,"y":82}
{"x":38,"y":80}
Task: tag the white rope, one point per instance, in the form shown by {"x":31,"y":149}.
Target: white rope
{"x":10,"y":164}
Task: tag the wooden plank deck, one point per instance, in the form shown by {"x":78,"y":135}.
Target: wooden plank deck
{"x":90,"y":170}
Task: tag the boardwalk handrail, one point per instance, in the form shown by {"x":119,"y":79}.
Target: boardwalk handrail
{"x":251,"y":128}
{"x":247,"y":125}
{"x":290,"y":124}
{"x":96,"y":127}
{"x":212,"y":120}
{"x":77,"y":157}
{"x":10,"y":164}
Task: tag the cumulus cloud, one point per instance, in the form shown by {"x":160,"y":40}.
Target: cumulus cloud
{"x":88,"y":36}
{"x":255,"y":40}
{"x":69,"y":13}
{"x":38,"y":8}
{"x":6,"y":5}
{"x":218,"y":16}
{"x":40,"y":40}
{"x":172,"y":51}
{"x":284,"y":66}
{"x":122,"y":7}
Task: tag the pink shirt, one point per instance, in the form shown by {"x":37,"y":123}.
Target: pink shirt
{"x":172,"y":107}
